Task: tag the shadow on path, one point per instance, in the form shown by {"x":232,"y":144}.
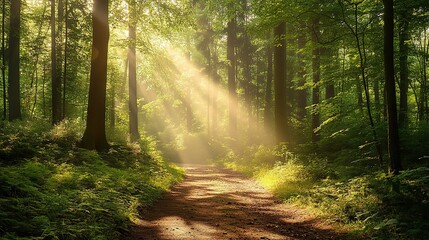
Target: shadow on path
{"x":216,"y":203}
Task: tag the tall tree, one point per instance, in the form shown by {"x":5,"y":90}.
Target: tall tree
{"x":188,"y":93}
{"x":246,"y":60}
{"x":59,"y":59}
{"x":330,"y":53}
{"x":423,"y":110}
{"x":403,"y":68}
{"x":55,"y":68}
{"x":204,"y":36}
{"x":132,"y":83}
{"x":359,"y":94}
{"x":53,"y":61}
{"x":389,"y":74}
{"x":302,"y":92}
{"x":232,"y":85}
{"x":3,"y":58}
{"x":280,"y":113}
{"x":360,"y":45}
{"x":66,"y":38}
{"x":377,"y":102}
{"x":94,"y":136}
{"x":316,"y":79}
{"x":216,"y":85}
{"x":268,"y":86}
{"x":14,"y":60}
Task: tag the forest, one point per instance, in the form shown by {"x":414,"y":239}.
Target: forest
{"x":214,"y":119}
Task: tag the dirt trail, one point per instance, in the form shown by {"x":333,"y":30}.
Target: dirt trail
{"x":216,"y":203}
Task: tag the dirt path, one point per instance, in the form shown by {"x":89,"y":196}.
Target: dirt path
{"x":216,"y":203}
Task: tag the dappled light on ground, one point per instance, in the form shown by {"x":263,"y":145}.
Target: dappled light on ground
{"x":215,"y":203}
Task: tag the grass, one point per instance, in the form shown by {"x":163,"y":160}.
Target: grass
{"x":353,"y":194}
{"x":50,"y":189}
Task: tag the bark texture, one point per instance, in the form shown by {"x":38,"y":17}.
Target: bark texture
{"x":389,"y":74}
{"x":94,"y":136}
{"x":14,"y":60}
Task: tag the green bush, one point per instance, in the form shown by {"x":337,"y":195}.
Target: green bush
{"x":363,"y":198}
{"x":58,"y":191}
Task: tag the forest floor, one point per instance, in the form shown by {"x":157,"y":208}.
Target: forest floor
{"x":217,"y":203}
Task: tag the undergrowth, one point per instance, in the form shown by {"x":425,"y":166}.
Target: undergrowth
{"x":359,"y":197}
{"x":50,"y":189}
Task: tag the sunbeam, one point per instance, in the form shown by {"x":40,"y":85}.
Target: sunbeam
{"x":189,"y":86}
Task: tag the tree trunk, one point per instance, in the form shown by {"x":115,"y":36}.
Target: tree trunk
{"x":377,"y":100}
{"x":55,"y":66}
{"x":59,"y":52}
{"x":424,"y":115}
{"x":315,"y":123}
{"x":247,"y":74}
{"x":422,"y":64}
{"x":14,"y":61}
{"x":203,"y":45}
{"x":3,"y":57}
{"x":246,"y":60}
{"x":330,"y":91}
{"x":36,"y":73}
{"x":188,"y":96}
{"x":359,"y":94}
{"x":36,"y":56}
{"x":423,"y":93}
{"x":208,"y":74}
{"x":403,"y":71}
{"x":389,"y":74}
{"x":216,"y":86}
{"x":132,"y":84}
{"x":301,"y":92}
{"x":344,"y":78}
{"x":260,"y":65}
{"x":360,"y":45}
{"x":112,"y":108}
{"x":331,"y":55}
{"x":280,"y":111}
{"x":43,"y":90}
{"x":65,"y":58}
{"x":94,"y":136}
{"x":290,"y":92}
{"x":268,"y":86}
{"x":232,"y":85}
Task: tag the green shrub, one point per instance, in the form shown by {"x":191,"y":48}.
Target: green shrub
{"x":363,"y":198}
{"x":59,"y":191}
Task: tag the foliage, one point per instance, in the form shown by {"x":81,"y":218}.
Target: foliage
{"x":58,"y":191}
{"x":368,"y":202}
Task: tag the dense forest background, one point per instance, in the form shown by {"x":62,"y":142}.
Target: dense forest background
{"x":325,"y":103}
